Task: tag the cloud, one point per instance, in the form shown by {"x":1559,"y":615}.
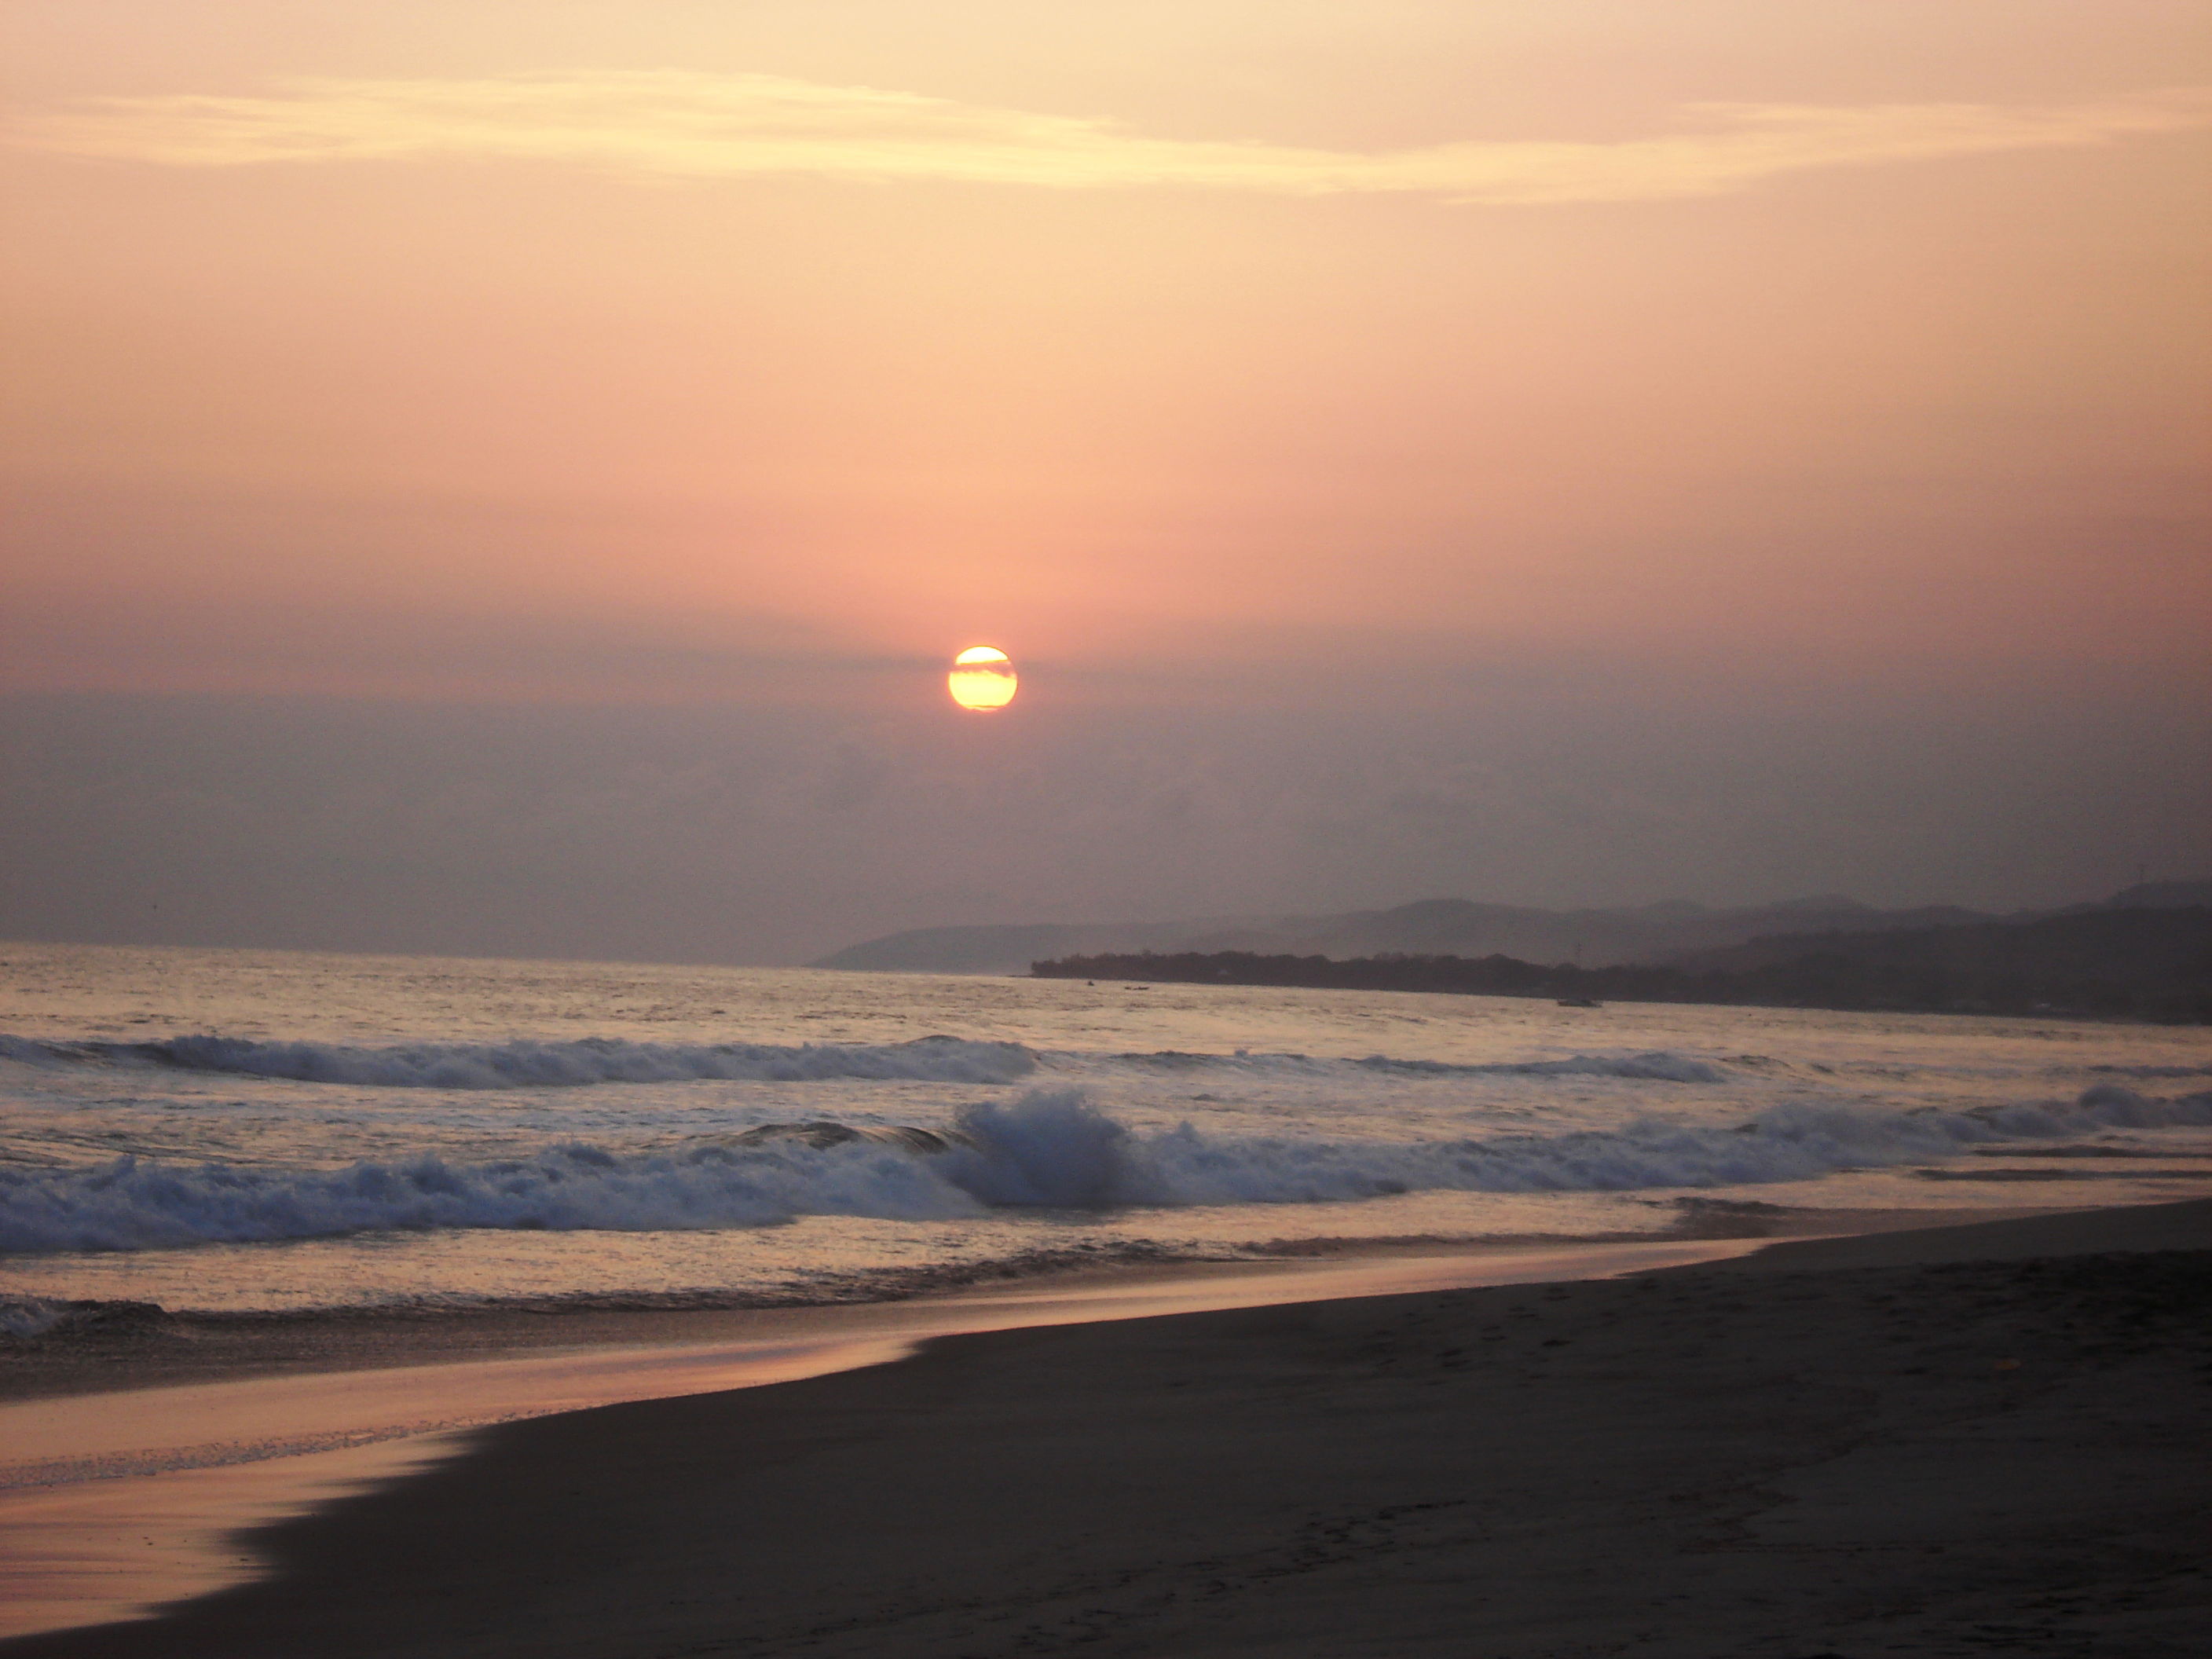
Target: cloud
{"x":684,"y":124}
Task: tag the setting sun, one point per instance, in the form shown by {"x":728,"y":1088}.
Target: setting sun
{"x":982,"y":679}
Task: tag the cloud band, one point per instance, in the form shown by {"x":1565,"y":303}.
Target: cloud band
{"x":684,"y":124}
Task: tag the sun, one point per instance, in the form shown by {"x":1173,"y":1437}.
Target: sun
{"x":982,"y":679}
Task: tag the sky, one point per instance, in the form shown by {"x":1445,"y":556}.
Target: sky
{"x":508,"y":478}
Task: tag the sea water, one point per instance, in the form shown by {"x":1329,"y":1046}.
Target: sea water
{"x":261,"y":1130}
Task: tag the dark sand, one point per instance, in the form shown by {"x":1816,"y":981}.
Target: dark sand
{"x":1976,"y":1440}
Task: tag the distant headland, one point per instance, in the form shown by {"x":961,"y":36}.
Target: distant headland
{"x":2145,"y":952}
{"x":2140,"y":964}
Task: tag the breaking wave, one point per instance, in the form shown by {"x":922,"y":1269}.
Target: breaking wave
{"x":131,"y":1205}
{"x":1054,"y":1148}
{"x":1050,"y":1148}
{"x":523,"y":1065}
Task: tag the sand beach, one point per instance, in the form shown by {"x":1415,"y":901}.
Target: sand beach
{"x":1969,"y":1439}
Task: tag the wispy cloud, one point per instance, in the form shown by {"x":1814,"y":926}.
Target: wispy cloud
{"x":675,"y":123}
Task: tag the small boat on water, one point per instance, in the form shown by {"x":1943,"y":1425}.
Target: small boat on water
{"x":1580,"y":1002}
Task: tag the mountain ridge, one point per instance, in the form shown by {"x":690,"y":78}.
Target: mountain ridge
{"x":1594,"y":937}
{"x":2092,"y":961}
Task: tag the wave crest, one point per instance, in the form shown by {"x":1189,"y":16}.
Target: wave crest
{"x":131,"y":1205}
{"x":533,"y":1065}
{"x":1051,"y":1148}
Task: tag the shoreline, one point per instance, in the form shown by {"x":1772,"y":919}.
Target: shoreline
{"x":1120,"y":1308}
{"x":126,"y":1346}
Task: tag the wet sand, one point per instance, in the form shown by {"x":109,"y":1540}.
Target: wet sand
{"x":113,"y":1500}
{"x":1975,"y":1439}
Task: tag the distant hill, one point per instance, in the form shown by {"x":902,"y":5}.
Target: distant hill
{"x":1596,"y":938}
{"x":2154,"y":963}
{"x":2137,"y":946}
{"x":2141,"y":964}
{"x":1448,"y":926}
{"x":2153,"y":895}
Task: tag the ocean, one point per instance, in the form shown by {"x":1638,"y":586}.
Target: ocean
{"x":229,"y":1129}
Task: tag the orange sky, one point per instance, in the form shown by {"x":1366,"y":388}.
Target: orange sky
{"x":1556,"y":451}
{"x":777,"y":338}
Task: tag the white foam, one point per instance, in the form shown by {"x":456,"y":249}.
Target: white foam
{"x":25,"y":1318}
{"x":1050,"y":1147}
{"x":1055,"y":1148}
{"x":131,"y":1205}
